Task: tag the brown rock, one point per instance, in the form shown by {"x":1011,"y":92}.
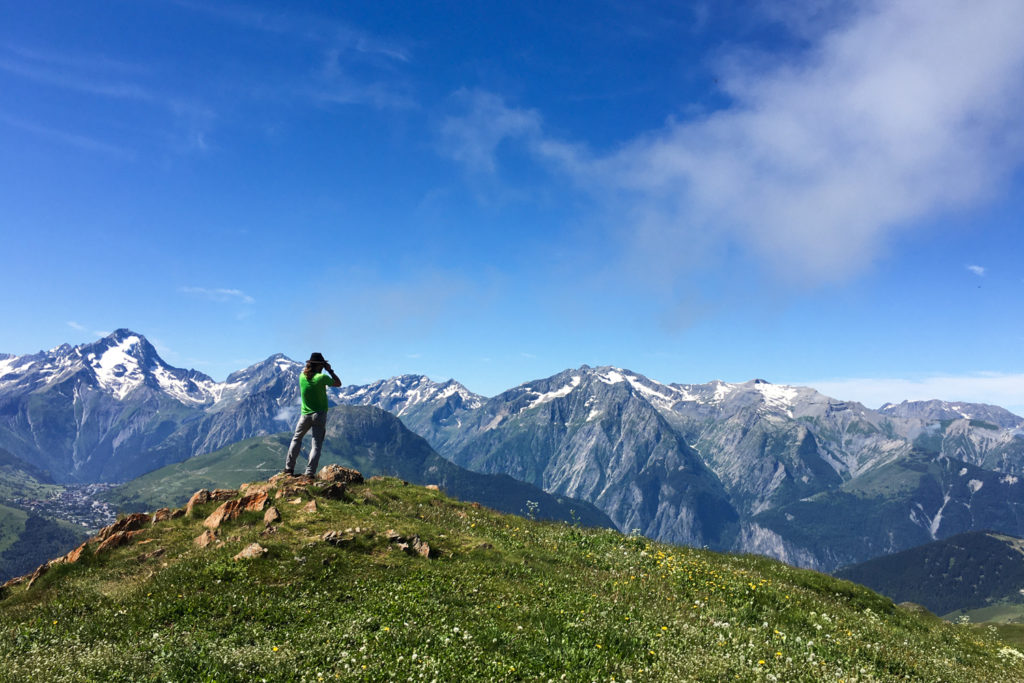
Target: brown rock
{"x":204,"y":539}
{"x":40,"y":570}
{"x":223,"y":494}
{"x":129,"y":523}
{"x":178,"y":512}
{"x":310,"y":506}
{"x":269,"y":531}
{"x":393,"y":536}
{"x":337,"y":473}
{"x":161,"y":515}
{"x":369,"y":497}
{"x":420,"y":547}
{"x":233,"y":508}
{"x":17,"y":580}
{"x":198,"y":498}
{"x":271,"y":515}
{"x":75,"y":554}
{"x":303,"y":480}
{"x":333,"y":491}
{"x":432,"y":487}
{"x":255,"y":487}
{"x":251,"y":551}
{"x":295,"y":501}
{"x":116,"y":539}
{"x":289,"y":491}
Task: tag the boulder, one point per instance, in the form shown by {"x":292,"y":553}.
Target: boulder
{"x":40,"y":570}
{"x":255,"y":487}
{"x":342,"y":475}
{"x":333,"y":491}
{"x":432,"y":487}
{"x":198,"y":498}
{"x":204,"y":539}
{"x":130,"y":523}
{"x":310,"y":506}
{"x":289,"y":490}
{"x":161,"y":515}
{"x":116,"y":539}
{"x":271,"y":515}
{"x":254,"y":502}
{"x":251,"y":551}
{"x":75,"y":555}
{"x":223,"y":494}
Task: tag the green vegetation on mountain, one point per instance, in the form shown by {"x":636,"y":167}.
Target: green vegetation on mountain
{"x":361,"y":437}
{"x":38,"y":540}
{"x":505,"y":599}
{"x":961,"y":573}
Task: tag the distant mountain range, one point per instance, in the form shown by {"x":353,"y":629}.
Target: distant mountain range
{"x":752,"y":466}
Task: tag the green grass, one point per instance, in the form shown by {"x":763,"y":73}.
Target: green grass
{"x":508,"y":599}
{"x":12,"y":522}
{"x":1004,"y":613}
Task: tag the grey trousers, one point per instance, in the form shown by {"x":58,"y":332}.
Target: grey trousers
{"x":318,"y":423}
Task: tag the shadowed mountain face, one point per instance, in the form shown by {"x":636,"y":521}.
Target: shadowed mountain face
{"x":780,"y":470}
{"x":964,"y":572}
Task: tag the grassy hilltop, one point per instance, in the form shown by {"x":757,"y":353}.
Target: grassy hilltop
{"x":503,"y":598}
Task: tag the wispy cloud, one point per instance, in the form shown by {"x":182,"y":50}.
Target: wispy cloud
{"x":73,"y":139}
{"x":219,"y":295}
{"x":977,"y":270}
{"x":1002,"y":389}
{"x":897,"y":111}
{"x":76,"y":326}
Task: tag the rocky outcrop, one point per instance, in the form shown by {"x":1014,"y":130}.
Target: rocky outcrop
{"x":337,"y":473}
{"x":254,"y":502}
{"x":251,"y":552}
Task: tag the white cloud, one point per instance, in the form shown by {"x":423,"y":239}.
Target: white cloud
{"x":473,"y":138}
{"x":76,"y":326}
{"x":896,"y":112}
{"x":977,"y":270}
{"x":220,"y":295}
{"x":1001,"y":389}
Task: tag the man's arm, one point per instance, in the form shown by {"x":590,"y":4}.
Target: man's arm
{"x":330,"y":370}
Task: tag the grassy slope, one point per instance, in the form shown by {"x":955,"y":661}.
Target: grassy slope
{"x":12,"y":522}
{"x":509,"y":599}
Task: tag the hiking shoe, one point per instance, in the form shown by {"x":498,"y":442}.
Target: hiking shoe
{"x":290,"y":473}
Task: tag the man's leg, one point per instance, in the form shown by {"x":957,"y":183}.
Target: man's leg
{"x":303,"y":426}
{"x":319,"y":432}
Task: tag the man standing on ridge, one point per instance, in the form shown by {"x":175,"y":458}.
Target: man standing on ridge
{"x":313,"y":389}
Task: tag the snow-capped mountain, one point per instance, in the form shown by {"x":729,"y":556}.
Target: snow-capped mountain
{"x":750,"y":466}
{"x":113,"y":409}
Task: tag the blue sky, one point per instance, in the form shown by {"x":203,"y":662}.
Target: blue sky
{"x":497,"y":191}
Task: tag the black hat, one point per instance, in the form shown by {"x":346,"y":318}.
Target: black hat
{"x":316,"y":358}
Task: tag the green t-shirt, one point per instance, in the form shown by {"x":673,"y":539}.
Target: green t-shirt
{"x":314,"y":393}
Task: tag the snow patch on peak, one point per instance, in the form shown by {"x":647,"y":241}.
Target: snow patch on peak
{"x":117,"y":368}
{"x":552,"y":395}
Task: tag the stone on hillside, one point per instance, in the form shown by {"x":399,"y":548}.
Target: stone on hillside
{"x":338,"y":538}
{"x":204,"y":539}
{"x":255,"y":487}
{"x":369,"y":497}
{"x":161,"y":515}
{"x":130,"y":523}
{"x":310,"y":506}
{"x":40,"y":570}
{"x":75,"y":554}
{"x":333,"y":491}
{"x":178,"y":512}
{"x":17,"y":580}
{"x":116,"y":539}
{"x":231,"y":509}
{"x":223,"y":494}
{"x":337,"y":473}
{"x":303,"y":480}
{"x":294,"y":501}
{"x":289,"y":490}
{"x":198,"y":498}
{"x":251,"y":552}
{"x":271,"y":515}
{"x":420,"y":547}
{"x":432,"y":487}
